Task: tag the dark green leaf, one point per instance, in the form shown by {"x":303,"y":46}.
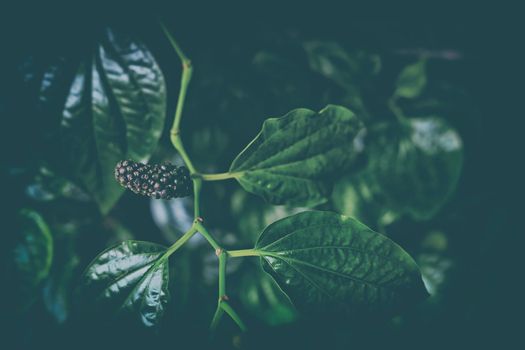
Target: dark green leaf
{"x":329,"y":262}
{"x":293,"y":158}
{"x":129,"y":277}
{"x":32,"y":255}
{"x":411,"y":80}
{"x":413,"y":169}
{"x":48,"y":186}
{"x":349,"y":70}
{"x":58,"y":287}
{"x":115,"y":110}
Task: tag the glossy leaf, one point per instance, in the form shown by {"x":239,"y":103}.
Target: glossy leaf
{"x":294,"y":157}
{"x":129,"y":277}
{"x":412,"y":80}
{"x":412,"y":169}
{"x":331,"y":263}
{"x":32,"y":256}
{"x":114,"y":110}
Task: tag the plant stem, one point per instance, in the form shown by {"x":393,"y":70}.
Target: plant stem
{"x":180,"y":242}
{"x":222,"y":290}
{"x":197,"y":185}
{"x":187,"y":71}
{"x":398,"y":112}
{"x":230,"y":311}
{"x":216,"y":317}
{"x":218,"y":177}
{"x":203,"y":231}
{"x":173,"y":42}
{"x":177,"y":143}
{"x":222,"y":305}
{"x":223,"y":257}
{"x":243,"y":252}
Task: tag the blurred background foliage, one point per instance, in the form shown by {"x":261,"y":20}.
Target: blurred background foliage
{"x":454,"y":211}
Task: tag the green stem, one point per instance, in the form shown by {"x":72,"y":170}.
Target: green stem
{"x":203,"y":231}
{"x":222,"y":306}
{"x":218,"y":177}
{"x":187,"y":72}
{"x":197,"y":185}
{"x":177,"y":143}
{"x":230,"y":311}
{"x":180,"y":242}
{"x":243,"y":252}
{"x":398,"y":112}
{"x":216,"y":317}
{"x":173,"y":42}
{"x":223,"y":257}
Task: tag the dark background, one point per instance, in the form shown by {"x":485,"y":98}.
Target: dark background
{"x":481,"y":305}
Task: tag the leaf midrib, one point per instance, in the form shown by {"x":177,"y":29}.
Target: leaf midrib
{"x":328,"y":271}
{"x":312,"y":178}
{"x":253,"y":166}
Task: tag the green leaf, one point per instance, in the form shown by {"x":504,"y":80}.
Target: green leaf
{"x":351,"y":71}
{"x":130,"y":277}
{"x":32,"y":256}
{"x":57,"y":291}
{"x":328,"y":262}
{"x":262,"y":297}
{"x":115,"y":109}
{"x":347,"y":69}
{"x":58,"y":286}
{"x":294,"y":158}
{"x":413,"y":168}
{"x":412,"y":80}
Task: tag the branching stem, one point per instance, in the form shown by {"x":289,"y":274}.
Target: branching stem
{"x":175,"y":137}
{"x":203,"y":231}
{"x":180,"y":242}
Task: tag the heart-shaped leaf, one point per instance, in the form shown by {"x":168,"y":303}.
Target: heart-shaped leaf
{"x":412,"y":80}
{"x":413,"y":168}
{"x":130,"y":277}
{"x":294,"y":158}
{"x":329,"y":262}
{"x":114,"y":110}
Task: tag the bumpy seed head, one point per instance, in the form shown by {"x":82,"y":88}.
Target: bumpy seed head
{"x":160,"y":181}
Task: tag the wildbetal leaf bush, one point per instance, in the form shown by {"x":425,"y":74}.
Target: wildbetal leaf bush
{"x":320,"y":173}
